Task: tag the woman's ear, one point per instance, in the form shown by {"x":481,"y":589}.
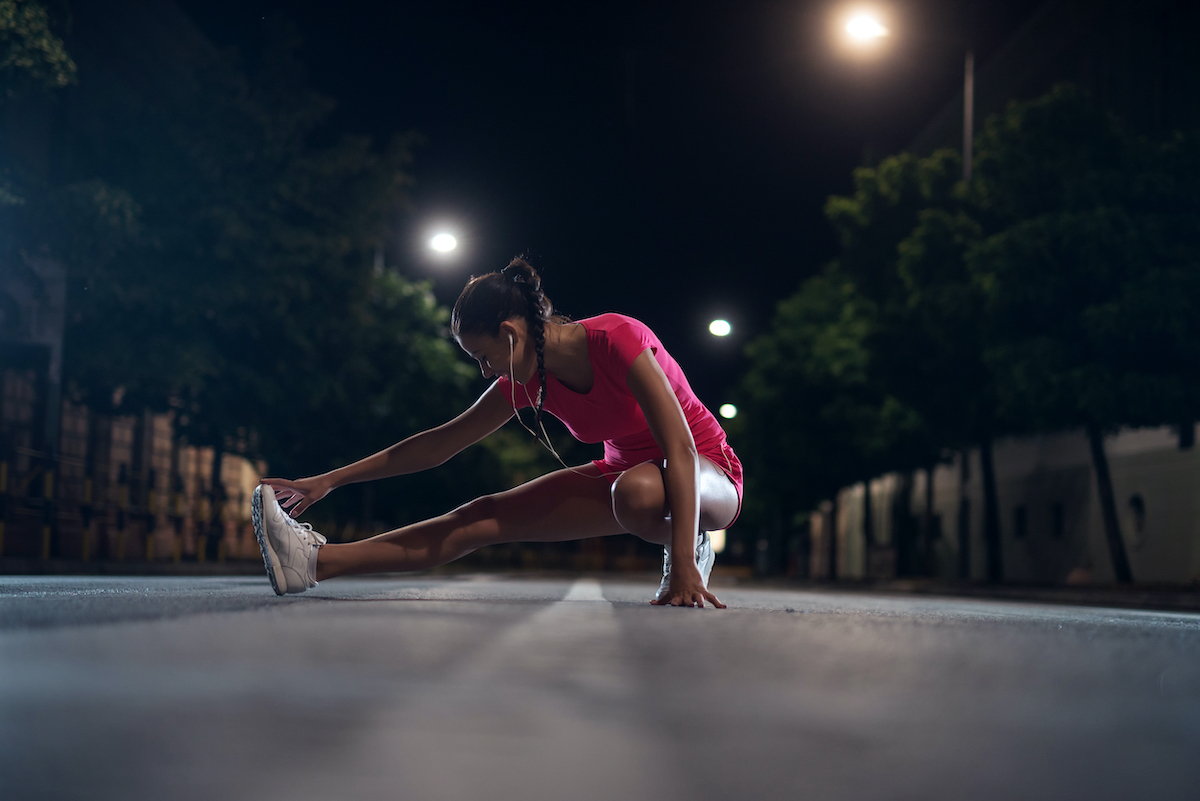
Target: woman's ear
{"x":508,"y":332}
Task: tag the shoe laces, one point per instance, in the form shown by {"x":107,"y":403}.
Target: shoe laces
{"x":303,"y":529}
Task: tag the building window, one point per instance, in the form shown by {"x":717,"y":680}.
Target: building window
{"x":20,"y":395}
{"x":1020,"y":523}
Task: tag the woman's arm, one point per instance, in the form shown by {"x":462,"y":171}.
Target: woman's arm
{"x":412,"y":455}
{"x":671,"y":431}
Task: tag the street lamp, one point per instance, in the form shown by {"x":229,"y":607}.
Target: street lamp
{"x":863,"y":29}
{"x":720,"y":328}
{"x":443,"y":242}
{"x":728,"y":411}
{"x":717,"y":538}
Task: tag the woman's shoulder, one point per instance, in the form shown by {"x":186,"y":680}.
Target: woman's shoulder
{"x":613,"y":321}
{"x":621,"y":337}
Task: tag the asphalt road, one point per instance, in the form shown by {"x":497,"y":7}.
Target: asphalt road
{"x":504,"y":688}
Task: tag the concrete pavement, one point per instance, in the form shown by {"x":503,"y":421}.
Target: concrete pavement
{"x":506,"y":688}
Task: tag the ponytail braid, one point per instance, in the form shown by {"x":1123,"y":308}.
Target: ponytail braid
{"x":537,"y":311}
{"x":538,"y":306}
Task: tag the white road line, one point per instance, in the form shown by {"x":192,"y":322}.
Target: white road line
{"x":546,"y":709}
{"x":585,"y":590}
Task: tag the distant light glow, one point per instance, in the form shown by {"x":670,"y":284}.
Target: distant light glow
{"x":719,"y":328}
{"x":728,"y":411}
{"x":718,"y":540}
{"x":864,"y":27}
{"x":443,"y":243}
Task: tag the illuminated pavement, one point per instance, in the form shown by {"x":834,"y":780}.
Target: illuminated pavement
{"x":504,"y":688}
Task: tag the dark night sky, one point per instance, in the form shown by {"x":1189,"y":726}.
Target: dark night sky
{"x":669,"y":160}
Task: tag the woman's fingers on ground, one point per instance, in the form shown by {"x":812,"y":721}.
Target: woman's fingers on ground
{"x":689,"y":599}
{"x":677,"y":600}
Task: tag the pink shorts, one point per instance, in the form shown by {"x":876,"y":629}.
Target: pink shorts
{"x":725,"y":459}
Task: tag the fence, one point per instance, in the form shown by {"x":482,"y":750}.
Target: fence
{"x":116,"y":487}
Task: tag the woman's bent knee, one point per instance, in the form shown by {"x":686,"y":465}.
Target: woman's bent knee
{"x":639,"y":498}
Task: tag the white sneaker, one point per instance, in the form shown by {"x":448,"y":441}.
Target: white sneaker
{"x":289,"y":548}
{"x":704,"y":562}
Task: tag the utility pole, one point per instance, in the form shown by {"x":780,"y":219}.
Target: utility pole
{"x":968,"y":113}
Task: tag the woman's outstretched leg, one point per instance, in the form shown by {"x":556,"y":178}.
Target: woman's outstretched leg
{"x":563,"y":505}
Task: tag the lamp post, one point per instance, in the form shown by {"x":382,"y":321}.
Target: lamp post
{"x":968,"y":113}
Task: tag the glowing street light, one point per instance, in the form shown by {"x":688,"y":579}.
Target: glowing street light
{"x":865,"y":28}
{"x":720,"y":328}
{"x":728,"y":411}
{"x":443,"y":243}
{"x":717,"y":538}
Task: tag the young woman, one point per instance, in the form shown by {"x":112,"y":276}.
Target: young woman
{"x":667,"y":475}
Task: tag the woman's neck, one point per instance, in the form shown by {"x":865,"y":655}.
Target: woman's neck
{"x":567,"y":355}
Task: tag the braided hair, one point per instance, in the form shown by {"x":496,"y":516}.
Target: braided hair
{"x":516,"y":291}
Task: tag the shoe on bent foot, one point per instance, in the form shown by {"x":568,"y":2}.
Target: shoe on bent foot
{"x":704,"y":562}
{"x":289,"y":549}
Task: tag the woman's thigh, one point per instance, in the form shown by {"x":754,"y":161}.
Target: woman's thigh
{"x":719,"y":502}
{"x":718,"y":496}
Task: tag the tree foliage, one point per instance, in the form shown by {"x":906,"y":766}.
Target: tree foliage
{"x":1090,"y":270}
{"x":844,"y":385}
{"x":32,"y":56}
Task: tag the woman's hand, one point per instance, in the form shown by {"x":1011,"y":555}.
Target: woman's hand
{"x":298,"y":495}
{"x":687,"y":590}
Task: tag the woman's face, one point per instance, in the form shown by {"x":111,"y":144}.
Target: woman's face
{"x":496,"y":358}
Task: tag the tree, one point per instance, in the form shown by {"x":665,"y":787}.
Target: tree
{"x":32,"y":59}
{"x":905,"y":233}
{"x":32,"y":56}
{"x":1057,"y":290}
{"x":813,"y":420}
{"x":1090,"y":275}
{"x":221,"y":262}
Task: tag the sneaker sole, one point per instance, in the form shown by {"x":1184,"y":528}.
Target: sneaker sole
{"x":270,"y":558}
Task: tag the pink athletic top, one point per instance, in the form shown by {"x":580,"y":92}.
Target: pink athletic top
{"x":610,"y":414}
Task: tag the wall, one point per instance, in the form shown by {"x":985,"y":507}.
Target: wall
{"x":1050,"y":521}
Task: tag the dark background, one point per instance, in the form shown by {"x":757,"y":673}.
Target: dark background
{"x":669,"y":160}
